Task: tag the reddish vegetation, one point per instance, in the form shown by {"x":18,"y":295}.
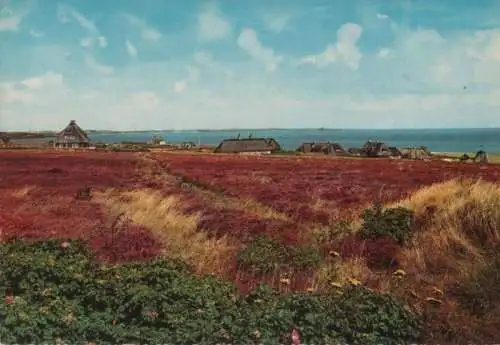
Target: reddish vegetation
{"x":293,"y":185}
{"x":37,"y":201}
{"x":307,"y":190}
{"x":379,"y":253}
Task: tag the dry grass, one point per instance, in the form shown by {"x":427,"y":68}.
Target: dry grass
{"x":179,"y":232}
{"x":459,"y":221}
{"x":343,"y":272}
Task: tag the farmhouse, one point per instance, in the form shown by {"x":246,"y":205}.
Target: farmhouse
{"x":375,"y":149}
{"x":248,"y":146}
{"x":72,"y":137}
{"x":325,"y":148}
{"x":481,"y":157}
{"x":4,"y":140}
{"x":419,"y":153}
{"x":395,"y":152}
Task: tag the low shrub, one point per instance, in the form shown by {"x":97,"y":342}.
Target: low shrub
{"x":481,"y":293}
{"x":379,"y":252}
{"x":265,"y":255}
{"x":58,"y":291}
{"x":396,"y":223}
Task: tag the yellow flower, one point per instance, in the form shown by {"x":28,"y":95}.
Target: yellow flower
{"x":354,"y":281}
{"x":285,"y":281}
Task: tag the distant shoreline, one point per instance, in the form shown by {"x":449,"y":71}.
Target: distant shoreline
{"x":43,"y":134}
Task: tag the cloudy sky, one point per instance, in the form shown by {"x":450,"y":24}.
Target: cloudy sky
{"x":185,"y":64}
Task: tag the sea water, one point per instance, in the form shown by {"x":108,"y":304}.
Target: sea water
{"x":437,"y":140}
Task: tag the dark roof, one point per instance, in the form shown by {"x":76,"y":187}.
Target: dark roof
{"x":324,"y":147}
{"x":4,"y":137}
{"x":248,"y":145}
{"x":395,"y":151}
{"x":72,"y":133}
{"x":375,"y":148}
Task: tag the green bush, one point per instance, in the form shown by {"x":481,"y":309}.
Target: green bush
{"x":55,"y":291}
{"x":266,"y":255}
{"x":396,"y":223}
{"x":358,"y":316}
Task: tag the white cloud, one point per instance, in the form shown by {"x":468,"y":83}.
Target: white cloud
{"x":151,"y":34}
{"x":277,"y":22}
{"x":206,"y":60}
{"x":96,"y":67}
{"x":9,"y":94}
{"x":84,"y":22}
{"x":36,"y":33}
{"x":180,"y":86}
{"x":10,"y":24}
{"x":86,"y":42}
{"x":382,"y":16}
{"x":212,"y":25}
{"x":49,"y":79}
{"x":193,"y":77}
{"x":249,"y":42}
{"x":63,"y":14}
{"x":103,"y":42}
{"x":384,"y":52}
{"x":131,"y":50}
{"x":9,"y":20}
{"x":67,"y":14}
{"x":203,"y":58}
{"x":344,"y":50}
{"x":147,"y":33}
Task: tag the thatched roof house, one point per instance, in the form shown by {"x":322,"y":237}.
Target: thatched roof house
{"x":376,"y":149}
{"x":4,"y":140}
{"x":481,"y":157}
{"x":72,"y":137}
{"x":248,"y":145}
{"x":416,"y":153}
{"x":325,"y":148}
{"x":395,"y":152}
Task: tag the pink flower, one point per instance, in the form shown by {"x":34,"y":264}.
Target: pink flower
{"x":9,"y":299}
{"x":295,"y":337}
{"x":65,"y":245}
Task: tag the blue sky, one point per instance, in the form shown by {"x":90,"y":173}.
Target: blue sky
{"x":185,"y":64}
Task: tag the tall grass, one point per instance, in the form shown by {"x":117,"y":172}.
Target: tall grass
{"x":179,"y":232}
{"x":458,"y":224}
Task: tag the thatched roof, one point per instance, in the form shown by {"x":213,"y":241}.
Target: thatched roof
{"x":72,"y":134}
{"x":416,"y":152}
{"x":395,"y":152}
{"x":326,"y":148}
{"x":248,"y":145}
{"x":376,"y":148}
{"x":4,"y":138}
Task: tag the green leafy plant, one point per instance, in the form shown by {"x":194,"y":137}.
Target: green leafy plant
{"x":396,"y":223}
{"x":266,"y":255}
{"x":56,"y":290}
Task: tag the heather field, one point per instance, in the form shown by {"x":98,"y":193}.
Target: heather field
{"x":157,"y":247}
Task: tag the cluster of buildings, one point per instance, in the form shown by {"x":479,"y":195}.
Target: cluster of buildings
{"x":74,"y":137}
{"x":369,"y":149}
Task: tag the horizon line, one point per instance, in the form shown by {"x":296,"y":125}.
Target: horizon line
{"x":261,"y":129}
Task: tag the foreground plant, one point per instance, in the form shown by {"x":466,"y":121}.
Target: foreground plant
{"x":56,"y":290}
